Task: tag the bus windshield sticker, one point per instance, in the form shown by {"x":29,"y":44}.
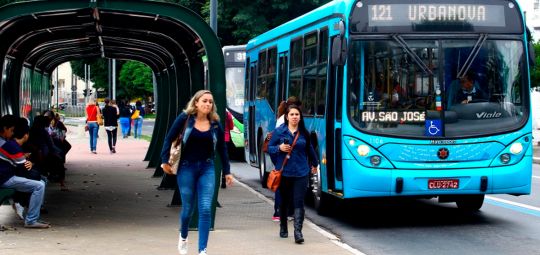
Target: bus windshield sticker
{"x":433,"y":127}
{"x":417,"y":14}
{"x":394,"y":116}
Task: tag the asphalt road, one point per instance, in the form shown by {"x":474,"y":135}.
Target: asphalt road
{"x":505,"y":224}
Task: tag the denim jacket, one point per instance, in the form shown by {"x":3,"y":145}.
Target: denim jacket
{"x":217,"y":134}
{"x":299,"y":164}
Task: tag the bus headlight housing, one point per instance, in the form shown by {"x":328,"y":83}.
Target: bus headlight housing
{"x":365,"y":154}
{"x":514,"y":152}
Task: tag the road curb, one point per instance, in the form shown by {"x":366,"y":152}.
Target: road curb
{"x":536,"y":160}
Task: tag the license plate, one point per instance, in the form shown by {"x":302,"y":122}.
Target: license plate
{"x":443,"y":184}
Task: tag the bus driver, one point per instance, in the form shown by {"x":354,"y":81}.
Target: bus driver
{"x":469,"y":90}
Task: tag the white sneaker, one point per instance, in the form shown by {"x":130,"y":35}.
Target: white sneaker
{"x":203,"y":252}
{"x":19,"y":210}
{"x":182,"y":246}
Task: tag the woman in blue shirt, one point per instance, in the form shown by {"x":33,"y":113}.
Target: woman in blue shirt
{"x":295,"y":175}
{"x":202,"y":137}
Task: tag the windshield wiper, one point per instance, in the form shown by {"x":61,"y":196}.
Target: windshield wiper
{"x":472,"y":56}
{"x":411,"y":53}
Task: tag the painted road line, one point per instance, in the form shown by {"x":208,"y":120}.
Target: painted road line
{"x":537,"y":177}
{"x":524,"y":208}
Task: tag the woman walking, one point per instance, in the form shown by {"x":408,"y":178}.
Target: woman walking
{"x":203,"y":136}
{"x":138,"y":120}
{"x":125,"y":118}
{"x":92,"y":111}
{"x":111,"y":114}
{"x":293,"y":138}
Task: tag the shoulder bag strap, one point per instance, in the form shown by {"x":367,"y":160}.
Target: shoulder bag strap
{"x":178,"y":138}
{"x":292,"y":147}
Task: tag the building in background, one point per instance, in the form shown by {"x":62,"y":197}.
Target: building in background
{"x":532,"y":12}
{"x":71,"y":88}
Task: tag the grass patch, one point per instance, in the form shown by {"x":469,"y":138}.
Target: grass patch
{"x":146,"y":137}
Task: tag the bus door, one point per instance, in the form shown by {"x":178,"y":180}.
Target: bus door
{"x":282,"y":76}
{"x":251,"y":113}
{"x":334,"y":174}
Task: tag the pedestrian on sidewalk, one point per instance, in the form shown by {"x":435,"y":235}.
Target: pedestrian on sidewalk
{"x":111,"y":114}
{"x":229,"y":125}
{"x":293,"y":136}
{"x":125,"y":118}
{"x":92,"y":111}
{"x":137,"y":117}
{"x":203,"y":136}
{"x":282,"y":108}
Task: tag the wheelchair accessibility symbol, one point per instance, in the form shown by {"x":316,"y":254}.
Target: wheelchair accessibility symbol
{"x":433,"y":128}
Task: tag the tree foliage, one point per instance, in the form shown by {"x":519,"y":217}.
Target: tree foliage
{"x":535,"y":71}
{"x":99,"y":71}
{"x":135,"y":80}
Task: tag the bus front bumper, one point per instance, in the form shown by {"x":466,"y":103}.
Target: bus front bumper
{"x":360,"y":181}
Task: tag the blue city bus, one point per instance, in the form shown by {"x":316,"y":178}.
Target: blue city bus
{"x":403,"y":98}
{"x":235,"y":58}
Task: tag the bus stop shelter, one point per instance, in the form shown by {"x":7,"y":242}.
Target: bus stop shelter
{"x":37,"y":36}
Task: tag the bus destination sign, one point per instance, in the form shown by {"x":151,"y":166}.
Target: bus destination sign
{"x":425,"y":14}
{"x":393,"y":116}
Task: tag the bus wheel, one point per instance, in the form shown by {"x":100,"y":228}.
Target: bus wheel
{"x":470,"y":202}
{"x":263,"y":164}
{"x":322,"y":202}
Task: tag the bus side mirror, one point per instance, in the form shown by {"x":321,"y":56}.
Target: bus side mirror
{"x":532,"y":55}
{"x":339,"y":51}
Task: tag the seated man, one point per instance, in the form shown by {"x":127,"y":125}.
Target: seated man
{"x":469,"y":90}
{"x":8,"y":179}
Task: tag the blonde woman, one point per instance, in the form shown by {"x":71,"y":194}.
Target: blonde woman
{"x":203,"y":136}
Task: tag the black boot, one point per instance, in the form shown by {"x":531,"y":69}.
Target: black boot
{"x":298,"y":222}
{"x":223,"y":182}
{"x":283,"y":231}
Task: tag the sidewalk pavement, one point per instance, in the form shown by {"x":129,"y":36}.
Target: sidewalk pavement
{"x":113,"y":207}
{"x":536,"y":154}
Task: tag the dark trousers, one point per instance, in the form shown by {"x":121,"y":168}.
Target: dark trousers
{"x":111,"y":138}
{"x":292,"y":188}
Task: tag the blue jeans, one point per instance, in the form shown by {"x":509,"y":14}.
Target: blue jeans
{"x":137,"y":123}
{"x":196,"y":180}
{"x":93,"y":129}
{"x":37,"y":188}
{"x":124,"y":123}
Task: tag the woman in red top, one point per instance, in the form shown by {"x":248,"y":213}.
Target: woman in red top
{"x":92,"y":110}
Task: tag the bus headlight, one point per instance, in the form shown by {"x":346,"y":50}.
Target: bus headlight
{"x":375,"y":160}
{"x":516,"y":148}
{"x":505,"y":158}
{"x":363,"y":150}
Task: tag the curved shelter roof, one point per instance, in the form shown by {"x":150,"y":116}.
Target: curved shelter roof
{"x":37,"y":36}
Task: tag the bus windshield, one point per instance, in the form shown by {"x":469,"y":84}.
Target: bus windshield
{"x":464,"y":84}
{"x":235,"y":88}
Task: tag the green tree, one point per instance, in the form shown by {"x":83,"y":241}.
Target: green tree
{"x":535,"y":71}
{"x":99,"y":71}
{"x":241,"y":20}
{"x":135,"y":80}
